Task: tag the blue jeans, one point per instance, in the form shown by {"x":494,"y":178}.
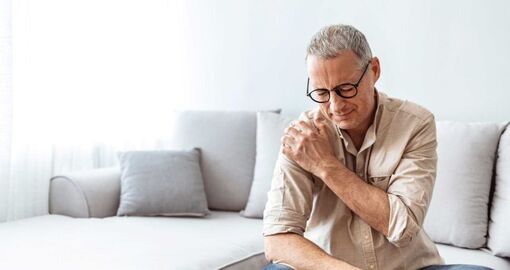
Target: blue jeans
{"x":456,"y":267}
{"x":275,"y":266}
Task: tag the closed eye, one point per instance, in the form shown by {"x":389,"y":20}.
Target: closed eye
{"x":345,"y":87}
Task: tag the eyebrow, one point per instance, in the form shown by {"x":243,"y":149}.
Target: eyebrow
{"x":351,"y":82}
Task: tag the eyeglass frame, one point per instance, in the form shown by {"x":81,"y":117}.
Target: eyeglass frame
{"x":337,"y":89}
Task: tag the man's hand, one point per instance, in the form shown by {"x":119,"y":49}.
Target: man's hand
{"x":308,"y":143}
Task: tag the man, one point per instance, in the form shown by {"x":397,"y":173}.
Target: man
{"x":354,"y":177}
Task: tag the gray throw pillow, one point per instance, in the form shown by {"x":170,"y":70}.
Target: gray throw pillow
{"x":270,"y":128}
{"x":162,"y":183}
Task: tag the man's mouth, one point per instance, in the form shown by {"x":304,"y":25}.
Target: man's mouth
{"x":343,"y":115}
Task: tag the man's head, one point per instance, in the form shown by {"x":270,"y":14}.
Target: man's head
{"x":336,"y":60}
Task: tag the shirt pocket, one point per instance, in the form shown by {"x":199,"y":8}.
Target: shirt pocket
{"x":379,"y":180}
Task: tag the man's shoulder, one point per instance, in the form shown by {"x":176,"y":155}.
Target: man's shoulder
{"x":310,"y":114}
{"x":401,"y":108}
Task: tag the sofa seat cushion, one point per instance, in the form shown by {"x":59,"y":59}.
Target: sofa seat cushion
{"x":222,"y":240}
{"x":456,"y":255}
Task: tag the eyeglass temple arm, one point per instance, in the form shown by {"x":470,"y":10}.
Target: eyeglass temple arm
{"x":307,"y":85}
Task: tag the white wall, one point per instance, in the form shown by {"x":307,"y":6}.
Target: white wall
{"x":117,"y":63}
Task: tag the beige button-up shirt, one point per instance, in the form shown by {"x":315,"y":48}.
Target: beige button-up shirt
{"x":398,"y":155}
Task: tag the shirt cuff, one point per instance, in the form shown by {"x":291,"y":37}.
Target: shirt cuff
{"x":278,"y":221}
{"x":402,"y":227}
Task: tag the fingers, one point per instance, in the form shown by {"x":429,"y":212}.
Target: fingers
{"x":288,"y":140}
{"x":292,"y":130}
{"x":319,"y":122}
{"x":288,"y":143}
{"x":305,"y":125}
{"x":301,"y":126}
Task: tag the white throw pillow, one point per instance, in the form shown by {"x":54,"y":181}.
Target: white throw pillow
{"x":499,"y":225}
{"x":270,"y":128}
{"x":458,"y":211}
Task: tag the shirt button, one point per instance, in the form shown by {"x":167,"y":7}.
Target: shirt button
{"x":371,"y":266}
{"x":366,"y":236}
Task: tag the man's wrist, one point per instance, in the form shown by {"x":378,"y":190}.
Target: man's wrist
{"x":329,"y":166}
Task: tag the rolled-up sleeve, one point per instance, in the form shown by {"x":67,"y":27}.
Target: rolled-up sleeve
{"x":411,"y":185}
{"x":289,"y":199}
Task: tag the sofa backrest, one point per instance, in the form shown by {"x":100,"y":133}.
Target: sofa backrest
{"x":227,"y":142}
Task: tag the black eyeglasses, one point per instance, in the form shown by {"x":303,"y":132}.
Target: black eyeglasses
{"x":345,"y":90}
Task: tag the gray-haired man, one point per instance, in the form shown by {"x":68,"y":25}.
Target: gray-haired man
{"x":354,"y":177}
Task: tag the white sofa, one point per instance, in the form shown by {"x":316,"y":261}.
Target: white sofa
{"x":82,"y":231}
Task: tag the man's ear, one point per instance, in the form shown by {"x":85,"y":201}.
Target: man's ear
{"x":375,"y":67}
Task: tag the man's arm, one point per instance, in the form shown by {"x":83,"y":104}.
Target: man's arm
{"x":368,"y":202}
{"x":288,"y":208}
{"x":300,"y":253}
{"x":399,"y":212}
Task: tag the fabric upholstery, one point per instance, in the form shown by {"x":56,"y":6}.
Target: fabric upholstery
{"x":458,"y":213}
{"x":270,"y":127}
{"x":221,"y":240}
{"x":161,"y":183}
{"x":85,"y":194}
{"x":499,"y":226}
{"x":59,"y":242}
{"x":227,"y":142}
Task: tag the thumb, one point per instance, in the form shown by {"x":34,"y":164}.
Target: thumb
{"x":319,"y":118}
{"x":320,"y":123}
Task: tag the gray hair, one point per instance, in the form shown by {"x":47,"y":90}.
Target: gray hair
{"x":333,"y":39}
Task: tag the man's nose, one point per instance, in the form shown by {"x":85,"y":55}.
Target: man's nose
{"x":336,"y":101}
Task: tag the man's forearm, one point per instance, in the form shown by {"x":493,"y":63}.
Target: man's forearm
{"x":300,"y":253}
{"x":370,"y":203}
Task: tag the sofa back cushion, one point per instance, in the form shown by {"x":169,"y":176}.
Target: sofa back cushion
{"x":499,"y":225}
{"x":227,"y":142}
{"x":458,"y":212}
{"x":270,"y":129}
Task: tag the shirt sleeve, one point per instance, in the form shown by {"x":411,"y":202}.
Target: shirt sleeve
{"x":412,"y":183}
{"x":289,"y":199}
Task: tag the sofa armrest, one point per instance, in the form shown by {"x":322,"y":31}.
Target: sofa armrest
{"x":86,"y":194}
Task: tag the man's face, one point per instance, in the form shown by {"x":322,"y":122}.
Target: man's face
{"x":351,"y":114}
